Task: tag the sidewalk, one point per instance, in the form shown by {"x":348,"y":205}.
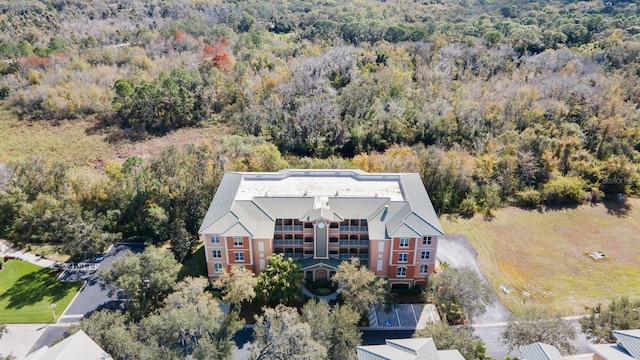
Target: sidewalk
{"x":6,"y":250}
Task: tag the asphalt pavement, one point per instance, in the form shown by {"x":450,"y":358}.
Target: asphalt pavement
{"x":92,"y":296}
{"x":458,"y":252}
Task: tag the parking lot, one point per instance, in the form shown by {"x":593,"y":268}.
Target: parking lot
{"x":92,"y":296}
{"x":414,"y":316}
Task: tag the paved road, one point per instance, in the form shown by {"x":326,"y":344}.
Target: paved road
{"x":92,"y":296}
{"x":458,"y":252}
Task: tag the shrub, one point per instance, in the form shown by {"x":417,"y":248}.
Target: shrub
{"x":322,"y":291}
{"x":529,"y":198}
{"x":564,"y":190}
{"x":468,"y":206}
{"x":5,"y":91}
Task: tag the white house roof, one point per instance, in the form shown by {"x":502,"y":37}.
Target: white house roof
{"x":78,"y":346}
{"x":394,"y":204}
{"x":407,"y":349}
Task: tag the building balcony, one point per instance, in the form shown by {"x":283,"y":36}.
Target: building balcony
{"x":288,"y":241}
{"x":349,"y":256}
{"x":344,"y":228}
{"x":289,"y":228}
{"x":293,"y":256}
{"x":354,"y":242}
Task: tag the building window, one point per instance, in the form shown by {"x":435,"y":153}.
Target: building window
{"x":401,"y":272}
{"x":426,"y":240}
{"x":239,"y":256}
{"x":217,"y":268}
{"x":217,"y":254}
{"x":424,"y":269}
{"x":404,"y":242}
{"x":424,"y":255}
{"x":403,"y":257}
{"x":215,"y":239}
{"x":237,"y":241}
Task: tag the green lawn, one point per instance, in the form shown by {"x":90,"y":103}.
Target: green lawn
{"x":27,"y":292}
{"x":544,"y":252}
{"x":195,"y":264}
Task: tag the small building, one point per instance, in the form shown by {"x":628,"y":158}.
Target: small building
{"x":78,"y":346}
{"x":627,"y":347}
{"x":540,"y":351}
{"x":407,"y":349}
{"x":320,"y":218}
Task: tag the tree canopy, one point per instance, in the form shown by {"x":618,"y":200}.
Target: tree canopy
{"x":459,"y":293}
{"x":280,"y":282}
{"x":280,"y":334}
{"x":455,"y":338}
{"x":144,"y":280}
{"x":538,"y":326}
{"x":359,"y":287}
{"x":621,"y":314}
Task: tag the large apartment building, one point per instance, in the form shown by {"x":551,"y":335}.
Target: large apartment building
{"x":320,"y":218}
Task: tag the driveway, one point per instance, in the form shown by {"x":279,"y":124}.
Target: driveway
{"x":92,"y":296}
{"x":458,"y":252}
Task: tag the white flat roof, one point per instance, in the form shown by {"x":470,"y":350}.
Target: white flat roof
{"x":319,"y":186}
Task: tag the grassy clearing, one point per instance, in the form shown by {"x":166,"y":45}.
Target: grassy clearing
{"x":70,"y":141}
{"x":66,"y":141}
{"x":27,"y":292}
{"x":544,"y":252}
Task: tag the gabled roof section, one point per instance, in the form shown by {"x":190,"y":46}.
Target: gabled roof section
{"x":357,"y":208}
{"x":540,"y":351}
{"x":223,"y":199}
{"x":404,"y":231}
{"x":415,"y":193}
{"x":397,"y":211}
{"x":76,"y":346}
{"x":321,"y":212}
{"x":223,"y":223}
{"x":629,"y":340}
{"x":422,"y":348}
{"x":237,"y":230}
{"x":285,"y":207}
{"x":611,"y":352}
{"x":257,"y":222}
{"x":407,"y":349}
{"x":308,"y":263}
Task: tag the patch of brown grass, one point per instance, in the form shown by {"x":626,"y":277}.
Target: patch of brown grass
{"x":545,"y":254}
{"x":71,"y":142}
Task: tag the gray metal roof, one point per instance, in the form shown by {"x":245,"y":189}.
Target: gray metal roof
{"x":397,"y":211}
{"x":611,"y":351}
{"x":254,"y":218}
{"x":421,"y":204}
{"x":406,"y":211}
{"x":223,"y":199}
{"x":540,"y":351}
{"x":356,"y":208}
{"x":629,"y":340}
{"x":450,"y":355}
{"x":404,"y":231}
{"x":285,"y":207}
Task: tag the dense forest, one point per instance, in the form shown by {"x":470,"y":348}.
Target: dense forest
{"x":493,"y":102}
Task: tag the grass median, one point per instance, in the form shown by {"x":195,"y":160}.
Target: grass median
{"x":27,"y":292}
